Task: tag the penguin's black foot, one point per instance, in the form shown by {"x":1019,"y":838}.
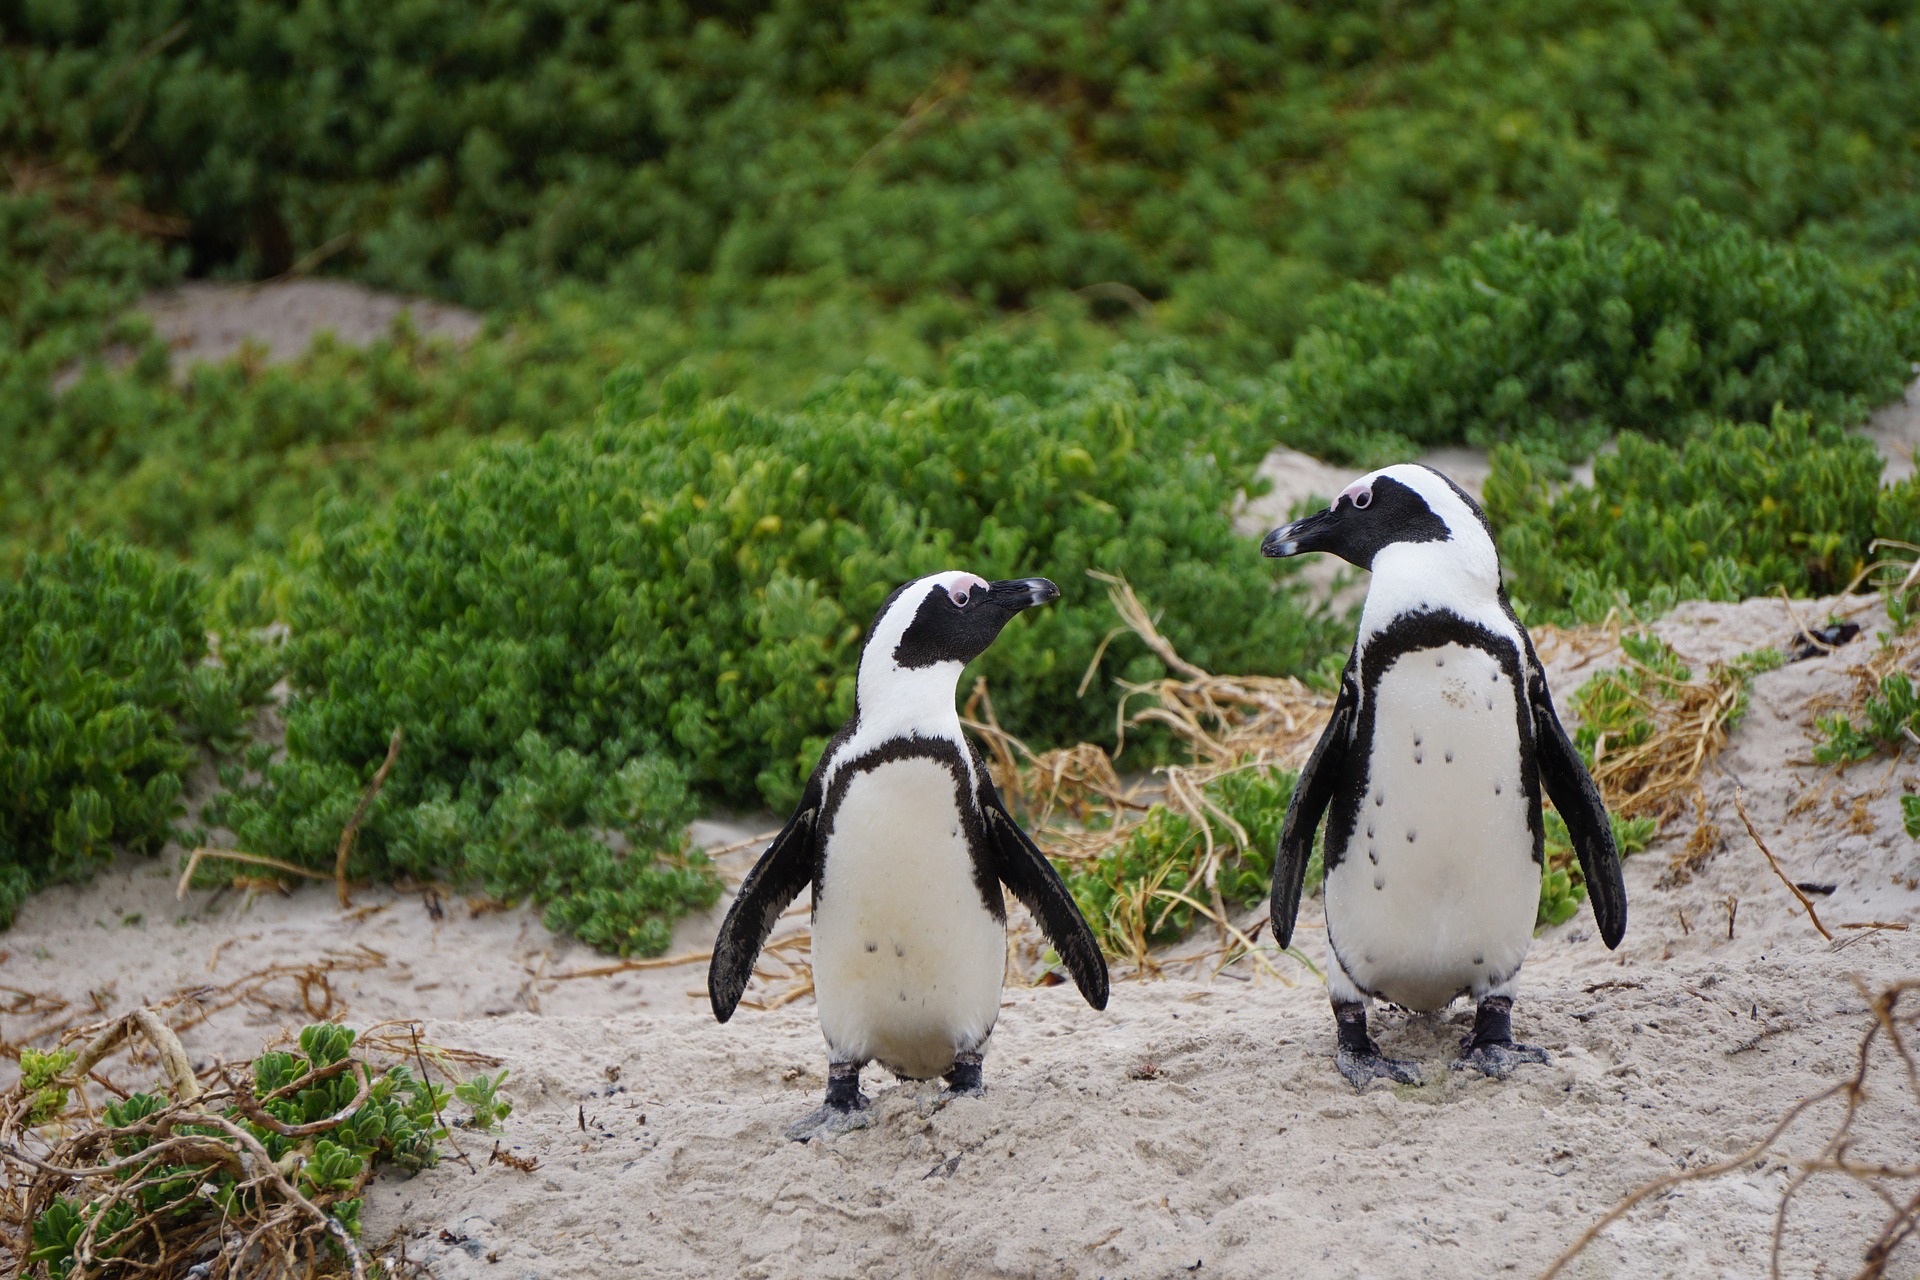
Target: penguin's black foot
{"x":844,"y":1110}
{"x":1498,"y":1059}
{"x":831,"y":1121}
{"x":1490,"y":1050}
{"x":1363,"y":1067}
{"x":964,"y":1081}
{"x":1359,"y":1058}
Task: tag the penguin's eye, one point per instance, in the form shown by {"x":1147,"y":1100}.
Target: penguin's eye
{"x":959,"y":596}
{"x":1363,"y":499}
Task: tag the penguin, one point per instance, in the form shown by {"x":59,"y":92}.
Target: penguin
{"x":906,"y":844}
{"x":1430,"y":774}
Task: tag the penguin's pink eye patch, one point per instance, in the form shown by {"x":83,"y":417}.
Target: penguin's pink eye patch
{"x":1361,"y":494}
{"x":964,"y":589}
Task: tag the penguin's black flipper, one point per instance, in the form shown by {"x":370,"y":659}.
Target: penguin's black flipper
{"x":783,"y":871}
{"x":1311,"y":796}
{"x":1570,"y":787}
{"x":1025,"y":870}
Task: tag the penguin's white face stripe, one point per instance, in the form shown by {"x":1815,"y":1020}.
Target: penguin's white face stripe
{"x":906,"y":702}
{"x":1460,"y":575}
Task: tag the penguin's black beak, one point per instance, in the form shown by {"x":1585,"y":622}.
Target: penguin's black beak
{"x":1016,"y":594}
{"x":1316,"y":532}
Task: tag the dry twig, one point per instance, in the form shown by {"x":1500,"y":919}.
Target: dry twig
{"x":1903,"y":1220}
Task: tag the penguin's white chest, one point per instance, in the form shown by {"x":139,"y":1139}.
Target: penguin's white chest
{"x":1437,"y":891}
{"x":907,"y":960}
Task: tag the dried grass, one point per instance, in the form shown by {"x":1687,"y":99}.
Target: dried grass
{"x":1221,"y":723}
{"x":1659,"y":776}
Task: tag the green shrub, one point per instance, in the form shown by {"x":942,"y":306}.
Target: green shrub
{"x":1126,"y":894}
{"x":559,"y":628}
{"x":1739,"y":510}
{"x":105,"y":684}
{"x":1562,"y":340}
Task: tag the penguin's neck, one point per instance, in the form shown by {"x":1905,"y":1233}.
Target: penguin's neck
{"x":891,"y":701}
{"x":1457,"y":577}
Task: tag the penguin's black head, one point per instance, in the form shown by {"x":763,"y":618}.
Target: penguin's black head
{"x":955,"y":616}
{"x":1400,"y":504}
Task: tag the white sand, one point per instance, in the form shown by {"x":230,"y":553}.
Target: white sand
{"x":1190,"y":1123}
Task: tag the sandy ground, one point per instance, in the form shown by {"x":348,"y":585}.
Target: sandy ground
{"x":1195,"y":1126}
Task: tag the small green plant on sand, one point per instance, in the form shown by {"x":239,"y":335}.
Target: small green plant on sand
{"x":482,"y":1094}
{"x":1891,"y":725}
{"x":178,"y":1178}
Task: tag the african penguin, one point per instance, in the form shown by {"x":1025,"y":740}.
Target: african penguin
{"x":1432,"y":765}
{"x":905,"y":842}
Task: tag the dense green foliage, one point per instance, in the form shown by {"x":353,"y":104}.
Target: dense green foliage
{"x":1226,"y":157}
{"x":1562,"y":341}
{"x":1737,"y":510}
{"x":1659,"y":215}
{"x":398,"y":1125}
{"x":104,"y":687}
{"x":565,"y":632}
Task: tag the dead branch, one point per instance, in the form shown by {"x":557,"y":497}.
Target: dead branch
{"x":360,"y":811}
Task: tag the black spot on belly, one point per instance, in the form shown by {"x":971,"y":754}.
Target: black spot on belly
{"x":1479,"y":959}
{"x":1449,"y":757}
{"x":873,"y":946}
{"x":899,"y":950}
{"x":1379,"y":798}
{"x":1373,"y":855}
{"x":1409,"y":835}
{"x":1416,"y":757}
{"x":1379,"y":881}
{"x":1496,"y":788}
{"x":903,"y":997}
{"x":1369,"y":831}
{"x":1416,"y":739}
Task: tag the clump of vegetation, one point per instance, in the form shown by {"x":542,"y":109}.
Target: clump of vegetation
{"x":1562,"y":887}
{"x":1561,"y":341}
{"x":107,"y":685}
{"x":571,"y":633}
{"x":1891,"y":725}
{"x":1147,"y":890}
{"x":1741,"y":509}
{"x":264,"y":1168}
{"x":1648,"y":726}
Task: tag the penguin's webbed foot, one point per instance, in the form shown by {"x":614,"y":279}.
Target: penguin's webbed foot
{"x":831,"y":1121}
{"x":844,"y":1110}
{"x":964,"y":1081}
{"x":1359,"y":1058}
{"x":1362,"y":1067}
{"x":1490,"y":1050}
{"x":1498,"y":1058}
